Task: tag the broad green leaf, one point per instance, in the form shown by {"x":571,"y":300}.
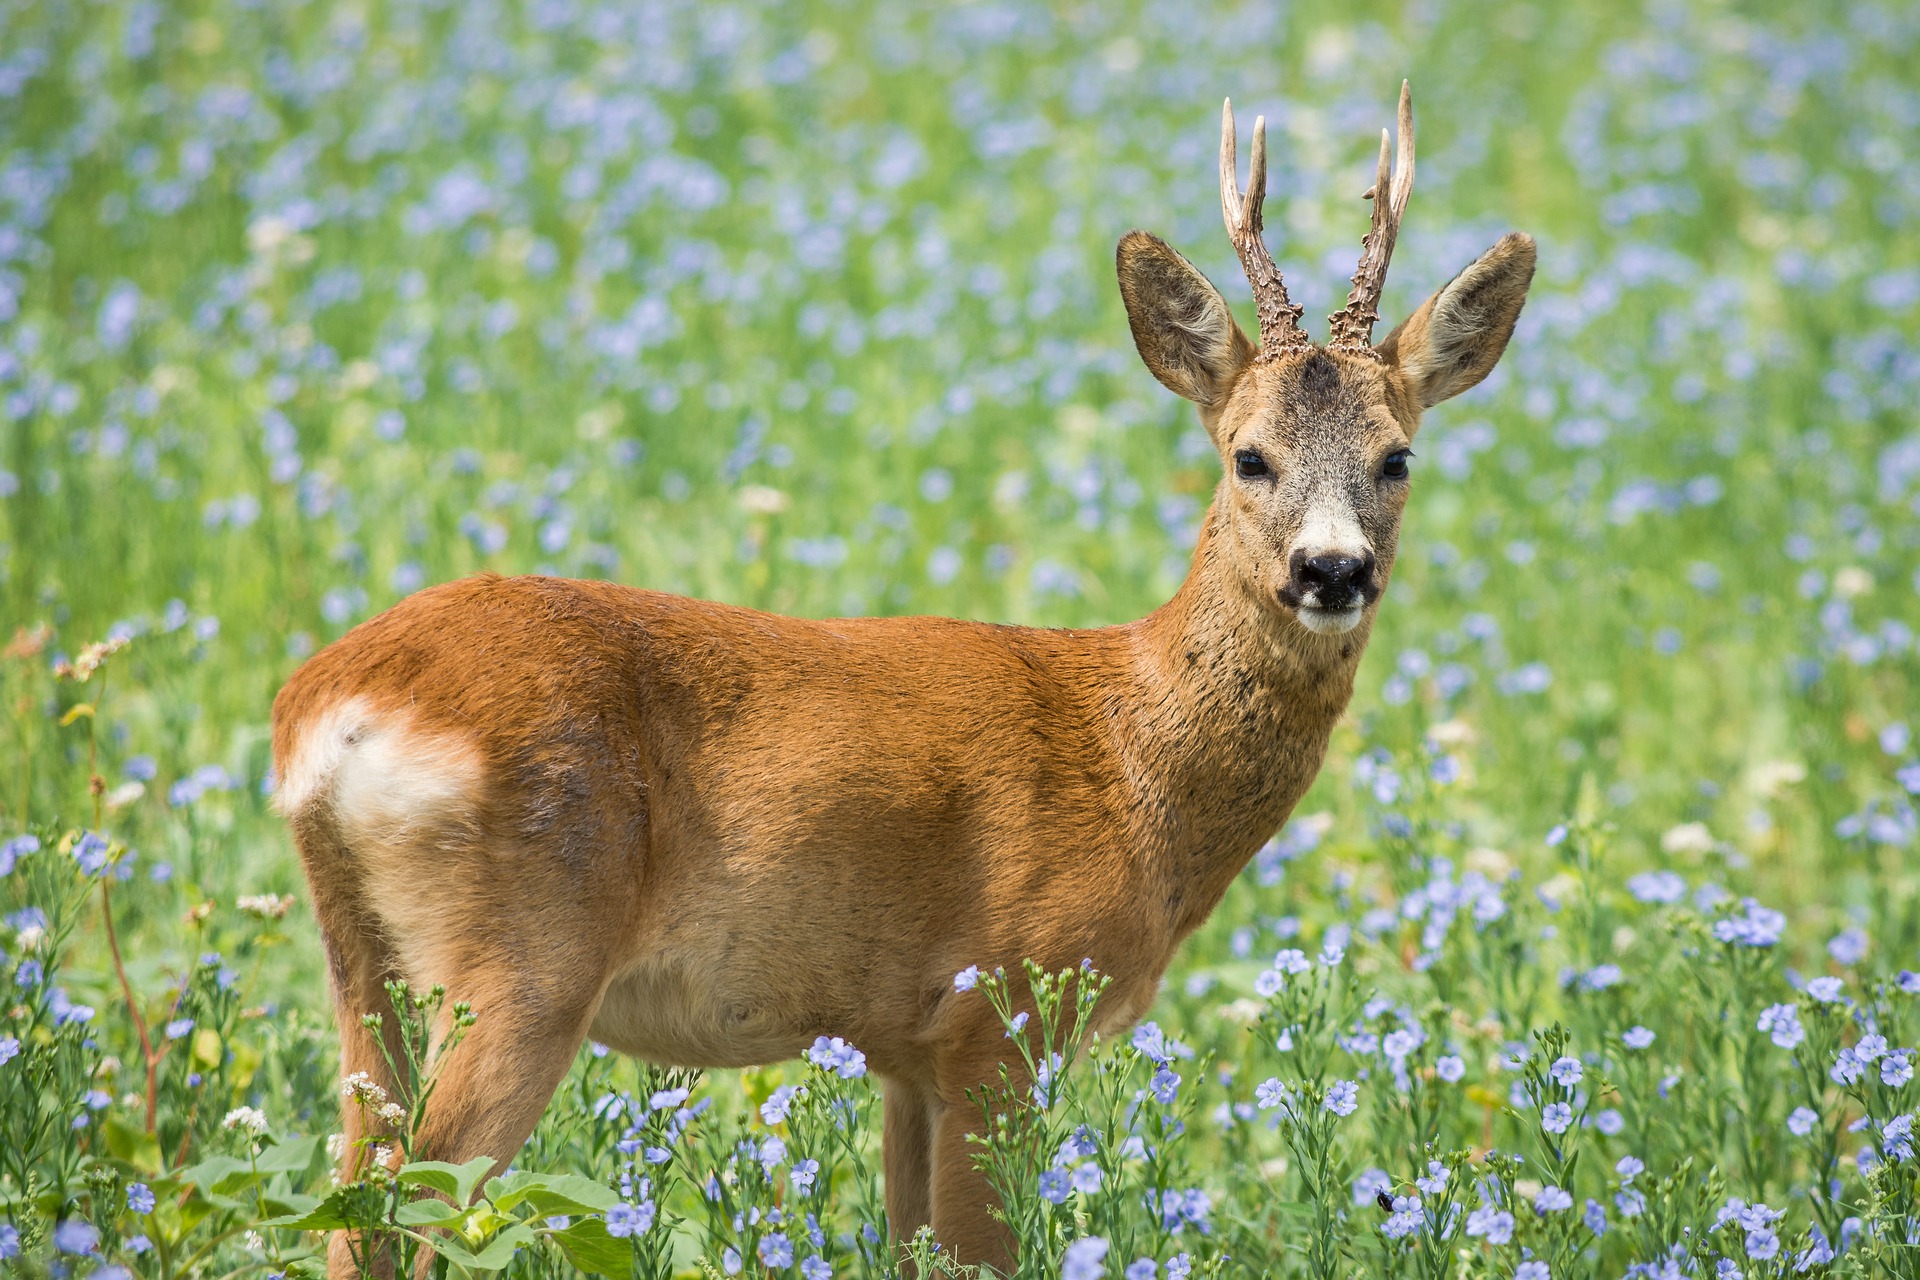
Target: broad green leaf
{"x":289,"y":1155}
{"x":217,"y":1176}
{"x":229,"y":1175}
{"x":497,"y":1252}
{"x":455,"y":1181}
{"x":128,"y":1141}
{"x":428,"y":1212}
{"x":551,"y":1193}
{"x":290,"y":1203}
{"x":590,"y":1247}
{"x":327,"y":1215}
{"x":194,"y":1212}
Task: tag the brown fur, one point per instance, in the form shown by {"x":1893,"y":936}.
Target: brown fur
{"x":705,"y":835}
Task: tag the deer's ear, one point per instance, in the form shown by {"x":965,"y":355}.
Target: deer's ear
{"x":1457,"y":335}
{"x":1180,"y":322}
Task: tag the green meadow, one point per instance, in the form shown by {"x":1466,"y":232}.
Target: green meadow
{"x":811,"y":307}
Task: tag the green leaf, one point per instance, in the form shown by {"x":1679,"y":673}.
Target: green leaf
{"x":497,"y":1253}
{"x":133,"y":1144}
{"x":551,"y":1193}
{"x":325,"y":1215}
{"x":222,"y":1177}
{"x":290,"y":1203}
{"x":590,"y":1247}
{"x":289,"y":1155}
{"x":217,"y":1176}
{"x":455,"y":1181}
{"x":428,"y":1212}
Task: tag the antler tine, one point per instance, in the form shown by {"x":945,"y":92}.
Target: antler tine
{"x":1280,"y":331}
{"x":1352,"y":325}
{"x":1403,"y":153}
{"x":1229,"y":176}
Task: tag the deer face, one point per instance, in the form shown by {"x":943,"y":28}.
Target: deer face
{"x":1316,"y":441}
{"x":1317,"y":474}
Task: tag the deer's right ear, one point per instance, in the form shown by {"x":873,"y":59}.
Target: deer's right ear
{"x":1180,"y":322}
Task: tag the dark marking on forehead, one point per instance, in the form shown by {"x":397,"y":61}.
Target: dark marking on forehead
{"x":1319,"y":374}
{"x":1318,"y":392}
{"x":1316,"y":401}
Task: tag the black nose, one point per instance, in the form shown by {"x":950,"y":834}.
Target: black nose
{"x":1334,"y":579}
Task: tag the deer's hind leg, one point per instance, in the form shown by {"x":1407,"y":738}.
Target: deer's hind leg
{"x":532,"y":977}
{"x":360,"y":962}
{"x":531,"y":962}
{"x":474,"y":894}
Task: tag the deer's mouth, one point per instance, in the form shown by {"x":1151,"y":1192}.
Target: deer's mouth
{"x":1330,"y":622}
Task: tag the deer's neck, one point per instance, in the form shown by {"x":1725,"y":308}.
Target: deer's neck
{"x":1239,"y":703}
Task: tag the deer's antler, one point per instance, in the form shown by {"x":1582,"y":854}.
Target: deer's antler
{"x":1352,"y":325}
{"x":1280,"y":331}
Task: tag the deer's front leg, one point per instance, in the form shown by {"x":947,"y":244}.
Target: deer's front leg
{"x":907,"y":1154}
{"x":962,"y":1197}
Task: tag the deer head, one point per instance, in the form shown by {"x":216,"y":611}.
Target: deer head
{"x":1316,"y":440}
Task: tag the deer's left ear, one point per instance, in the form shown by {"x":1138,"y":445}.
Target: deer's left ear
{"x":1457,"y":335}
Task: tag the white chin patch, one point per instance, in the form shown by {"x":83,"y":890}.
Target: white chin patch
{"x":1329,"y":622}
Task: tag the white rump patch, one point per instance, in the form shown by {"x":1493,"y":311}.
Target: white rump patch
{"x":383,"y":779}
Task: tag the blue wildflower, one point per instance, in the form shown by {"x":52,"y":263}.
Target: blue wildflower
{"x":1085,"y":1259}
{"x":625,"y":1221}
{"x":1781,"y":1022}
{"x":76,"y":1236}
{"x":775,"y":1108}
{"x":833,"y":1054}
{"x":1848,"y":947}
{"x":1368,"y":1186}
{"x":1495,"y":1225}
{"x":90,"y":852}
{"x":776,"y":1250}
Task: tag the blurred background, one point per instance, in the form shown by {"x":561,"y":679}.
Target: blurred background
{"x":810,"y":307}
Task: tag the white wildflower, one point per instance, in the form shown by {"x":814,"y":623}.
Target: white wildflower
{"x":250,"y":1120}
{"x":1688,"y":837}
{"x":265,"y":906}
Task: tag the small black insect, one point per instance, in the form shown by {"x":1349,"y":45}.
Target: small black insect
{"x":1384,"y":1200}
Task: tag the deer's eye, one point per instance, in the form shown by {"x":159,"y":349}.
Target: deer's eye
{"x":1395,"y":466}
{"x":1247,"y":464}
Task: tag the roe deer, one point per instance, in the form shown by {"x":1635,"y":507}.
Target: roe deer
{"x":705,"y":835}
